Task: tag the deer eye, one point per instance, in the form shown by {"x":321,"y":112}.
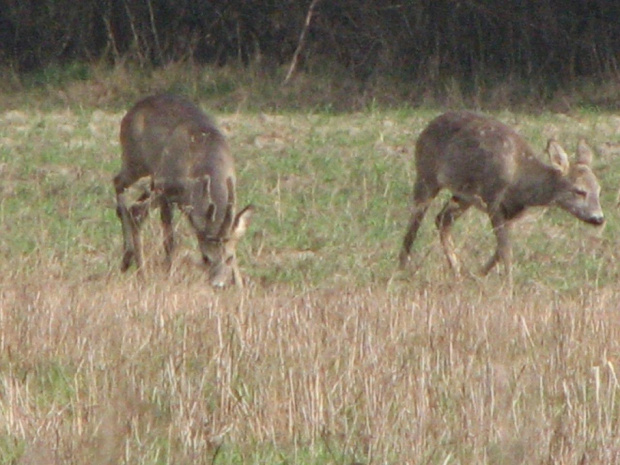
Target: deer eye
{"x":580,"y":192}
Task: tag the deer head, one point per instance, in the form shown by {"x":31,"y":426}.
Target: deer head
{"x":218,"y":245}
{"x":580,"y":196}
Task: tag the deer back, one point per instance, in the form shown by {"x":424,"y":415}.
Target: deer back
{"x":473,"y":156}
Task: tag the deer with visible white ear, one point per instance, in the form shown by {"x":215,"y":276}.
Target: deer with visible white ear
{"x":188,"y":160}
{"x":486,"y":164}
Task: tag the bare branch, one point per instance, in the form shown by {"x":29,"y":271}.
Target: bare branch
{"x":302,"y":40}
{"x":135,"y":34}
{"x":154,"y":32}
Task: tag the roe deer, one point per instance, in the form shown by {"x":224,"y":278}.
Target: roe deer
{"x":188,"y":159}
{"x":486,"y":164}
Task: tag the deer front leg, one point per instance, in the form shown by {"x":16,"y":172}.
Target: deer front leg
{"x":166,"y":219}
{"x":501,"y":228}
{"x":138,"y":212}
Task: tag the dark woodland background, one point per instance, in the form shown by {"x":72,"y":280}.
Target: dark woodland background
{"x":550,"y":41}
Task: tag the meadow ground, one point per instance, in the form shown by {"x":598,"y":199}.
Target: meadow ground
{"x":329,"y":354}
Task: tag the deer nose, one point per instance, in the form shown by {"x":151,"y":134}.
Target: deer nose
{"x":597,"y":220}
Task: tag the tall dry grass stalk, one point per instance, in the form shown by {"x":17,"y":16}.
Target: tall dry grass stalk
{"x":165,"y":371}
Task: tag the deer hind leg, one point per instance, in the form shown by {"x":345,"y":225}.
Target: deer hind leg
{"x":422,"y":197}
{"x":451,"y":211}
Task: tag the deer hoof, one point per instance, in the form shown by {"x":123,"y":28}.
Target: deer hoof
{"x":403,"y":260}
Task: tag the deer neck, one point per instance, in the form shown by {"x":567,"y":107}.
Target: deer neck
{"x":536,"y":187}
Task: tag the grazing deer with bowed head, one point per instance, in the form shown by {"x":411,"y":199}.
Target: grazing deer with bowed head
{"x":486,"y":164}
{"x":188,"y":159}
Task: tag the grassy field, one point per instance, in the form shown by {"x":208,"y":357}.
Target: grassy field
{"x":329,"y":355}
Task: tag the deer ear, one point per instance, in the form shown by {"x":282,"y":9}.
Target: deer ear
{"x":198,"y":189}
{"x":210,"y":214}
{"x":242,"y":222}
{"x":558,"y":156}
{"x":584,"y":153}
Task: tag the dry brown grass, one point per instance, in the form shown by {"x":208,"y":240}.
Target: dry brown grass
{"x":121,"y":371}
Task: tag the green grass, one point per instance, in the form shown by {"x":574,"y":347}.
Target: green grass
{"x":330,"y":354}
{"x":332,"y":194}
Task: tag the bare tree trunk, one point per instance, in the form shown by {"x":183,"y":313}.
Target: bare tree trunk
{"x":111,"y":38}
{"x":302,"y":40}
{"x":160,"y":56}
{"x":136,"y":38}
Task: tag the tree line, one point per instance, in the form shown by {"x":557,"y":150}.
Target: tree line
{"x":537,"y":39}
